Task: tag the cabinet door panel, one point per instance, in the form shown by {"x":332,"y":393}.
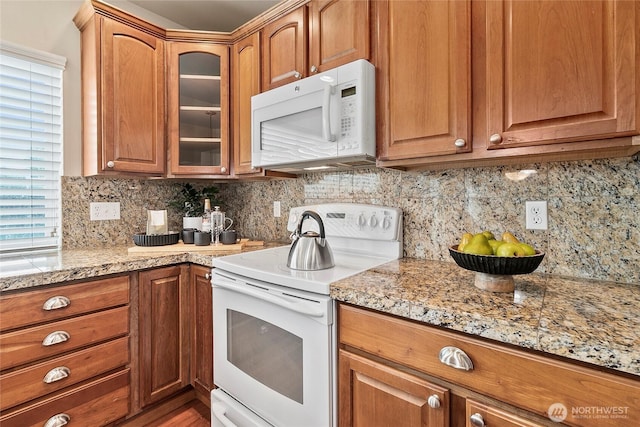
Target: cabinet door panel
{"x":339,"y":33}
{"x":202,"y":330}
{"x":164,"y":332}
{"x":284,"y":56}
{"x":133,"y":100}
{"x":424,"y":78}
{"x":560,"y":71}
{"x":375,"y":395}
{"x":246,"y":83}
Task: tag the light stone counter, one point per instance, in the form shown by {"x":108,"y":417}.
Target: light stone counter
{"x":590,"y":321}
{"x":27,"y":271}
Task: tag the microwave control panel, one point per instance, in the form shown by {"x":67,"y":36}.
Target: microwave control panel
{"x":348,"y":110}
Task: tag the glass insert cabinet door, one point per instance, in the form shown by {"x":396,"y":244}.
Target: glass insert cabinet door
{"x":198,"y":105}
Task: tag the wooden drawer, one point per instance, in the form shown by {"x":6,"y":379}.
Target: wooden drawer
{"x":524,"y":379}
{"x":95,"y":404}
{"x":29,"y":383}
{"x":22,"y":309}
{"x":492,"y":416}
{"x":26,"y":345}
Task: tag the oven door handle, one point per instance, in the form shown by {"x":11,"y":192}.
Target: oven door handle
{"x":266,"y":296}
{"x":219,"y":411}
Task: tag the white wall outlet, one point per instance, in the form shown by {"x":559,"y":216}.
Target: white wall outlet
{"x":276,"y":209}
{"x":101,"y":211}
{"x":536,"y":215}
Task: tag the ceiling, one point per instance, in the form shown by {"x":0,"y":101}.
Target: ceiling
{"x":207,"y":15}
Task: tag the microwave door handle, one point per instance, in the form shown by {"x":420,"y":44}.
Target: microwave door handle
{"x":266,"y":296}
{"x":326,"y":113}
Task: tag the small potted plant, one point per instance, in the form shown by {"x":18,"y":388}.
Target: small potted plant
{"x":190,"y":202}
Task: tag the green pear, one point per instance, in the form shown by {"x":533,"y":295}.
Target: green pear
{"x":478,"y":245}
{"x":508,"y":237}
{"x":509,"y":249}
{"x":528,"y":249}
{"x":466,"y":238}
{"x":495,"y":244}
{"x":489,"y":235}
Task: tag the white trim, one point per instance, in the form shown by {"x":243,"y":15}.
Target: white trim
{"x":22,"y":52}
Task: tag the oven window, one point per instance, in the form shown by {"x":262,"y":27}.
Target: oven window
{"x":267,"y":353}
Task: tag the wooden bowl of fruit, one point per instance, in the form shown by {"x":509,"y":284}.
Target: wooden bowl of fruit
{"x":495,"y":261}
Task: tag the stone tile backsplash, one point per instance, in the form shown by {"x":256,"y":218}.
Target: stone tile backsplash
{"x":594,"y":215}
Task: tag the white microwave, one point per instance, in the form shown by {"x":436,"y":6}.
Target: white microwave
{"x":323,"y":121}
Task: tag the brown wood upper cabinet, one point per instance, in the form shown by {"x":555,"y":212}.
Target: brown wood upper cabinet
{"x":337,"y":32}
{"x":123,"y":101}
{"x":424,"y":78}
{"x":198,"y":109}
{"x":550,"y":80}
{"x":246,"y":83}
{"x":559,"y":71}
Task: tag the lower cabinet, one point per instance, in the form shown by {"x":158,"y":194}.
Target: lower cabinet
{"x":397,"y":372}
{"x":201,"y":332}
{"x":372,"y":394}
{"x":65,"y":354}
{"x":164,"y":336}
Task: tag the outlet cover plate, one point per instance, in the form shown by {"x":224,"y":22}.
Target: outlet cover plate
{"x":536,"y":215}
{"x":102,"y":211}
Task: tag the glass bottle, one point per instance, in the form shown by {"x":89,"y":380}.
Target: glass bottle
{"x":206,"y":217}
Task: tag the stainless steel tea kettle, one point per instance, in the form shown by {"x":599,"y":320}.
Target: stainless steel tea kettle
{"x":310,"y":250}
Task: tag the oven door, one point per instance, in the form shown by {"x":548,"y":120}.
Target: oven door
{"x":273,"y":350}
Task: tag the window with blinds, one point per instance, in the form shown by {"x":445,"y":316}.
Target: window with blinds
{"x":30,"y":148}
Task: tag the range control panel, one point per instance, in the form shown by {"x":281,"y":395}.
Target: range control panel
{"x":351,"y":220}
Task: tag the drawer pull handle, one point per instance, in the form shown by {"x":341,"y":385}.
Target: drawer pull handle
{"x":56,"y":337}
{"x":477,"y":420}
{"x":55,"y":303}
{"x":56,"y":374}
{"x":456,"y":358}
{"x":58,"y":420}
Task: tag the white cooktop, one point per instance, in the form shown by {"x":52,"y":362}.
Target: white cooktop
{"x":360,"y":236}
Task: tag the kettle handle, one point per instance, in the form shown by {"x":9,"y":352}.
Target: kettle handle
{"x":314,"y":215}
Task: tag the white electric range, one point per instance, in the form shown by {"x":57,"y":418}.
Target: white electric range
{"x":275,"y":335}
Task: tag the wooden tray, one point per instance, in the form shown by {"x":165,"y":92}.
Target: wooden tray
{"x":181,"y":247}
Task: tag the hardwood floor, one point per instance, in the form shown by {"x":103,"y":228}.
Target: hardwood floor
{"x":193,"y":414}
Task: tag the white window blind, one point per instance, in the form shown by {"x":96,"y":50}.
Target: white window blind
{"x":30,"y":148}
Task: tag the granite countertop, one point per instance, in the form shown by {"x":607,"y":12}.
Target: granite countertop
{"x":591,"y":321}
{"x":28,"y":271}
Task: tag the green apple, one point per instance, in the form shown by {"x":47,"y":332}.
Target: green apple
{"x":478,"y":245}
{"x":510,"y":249}
{"x":528,"y":249}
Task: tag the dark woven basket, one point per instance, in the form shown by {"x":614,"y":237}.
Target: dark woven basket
{"x":141,"y":239}
{"x":492,"y":264}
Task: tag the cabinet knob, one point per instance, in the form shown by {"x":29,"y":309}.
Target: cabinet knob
{"x":58,"y":420}
{"x":477,"y":420}
{"x":207,"y":276}
{"x":314,"y":69}
{"x":55,"y":303}
{"x":496,"y":138}
{"x":433,"y":401}
{"x":456,"y":358}
{"x":297,"y":74}
{"x":56,"y":374}
{"x":460,"y":142}
{"x":56,"y":337}
{"x":111,"y":164}
{"x":223,"y":169}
